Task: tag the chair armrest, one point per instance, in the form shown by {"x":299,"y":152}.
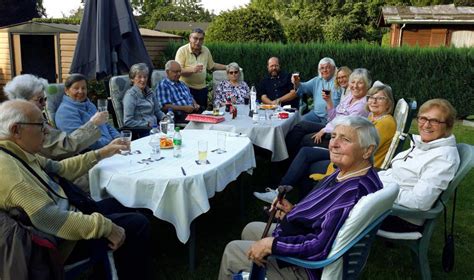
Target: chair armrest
{"x":404,"y":212}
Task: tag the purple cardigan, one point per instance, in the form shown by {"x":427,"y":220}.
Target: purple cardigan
{"x":309,"y":229}
{"x":346,"y":109}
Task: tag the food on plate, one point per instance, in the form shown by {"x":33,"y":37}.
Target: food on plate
{"x":267,"y":106}
{"x":166,"y":143}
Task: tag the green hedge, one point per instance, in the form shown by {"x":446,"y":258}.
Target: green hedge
{"x":423,"y":73}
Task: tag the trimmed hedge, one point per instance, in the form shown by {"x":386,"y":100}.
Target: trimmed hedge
{"x":422,"y":73}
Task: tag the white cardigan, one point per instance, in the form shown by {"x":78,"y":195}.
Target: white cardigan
{"x":423,"y":172}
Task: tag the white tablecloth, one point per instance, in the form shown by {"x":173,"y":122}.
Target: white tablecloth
{"x":270,"y":136}
{"x":162,"y":187}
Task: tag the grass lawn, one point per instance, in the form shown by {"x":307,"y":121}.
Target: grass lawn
{"x":223,"y":224}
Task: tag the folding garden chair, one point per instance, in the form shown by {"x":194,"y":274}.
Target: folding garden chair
{"x":419,"y":242}
{"x":54,"y":94}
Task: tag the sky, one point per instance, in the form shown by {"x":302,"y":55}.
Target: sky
{"x":55,"y":8}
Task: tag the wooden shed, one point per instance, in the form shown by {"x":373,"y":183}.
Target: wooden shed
{"x":47,"y":49}
{"x":439,"y":25}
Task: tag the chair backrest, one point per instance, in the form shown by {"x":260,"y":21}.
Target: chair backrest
{"x":156,"y":77}
{"x":466,"y":156}
{"x":54,"y":94}
{"x":221,"y":75}
{"x":401,"y":115}
{"x":118,"y":87}
{"x":367,"y":210}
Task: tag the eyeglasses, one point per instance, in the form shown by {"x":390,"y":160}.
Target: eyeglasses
{"x":42,"y":124}
{"x":433,"y":122}
{"x":41,"y":99}
{"x":324,"y":68}
{"x":233,"y":72}
{"x":378,"y":99}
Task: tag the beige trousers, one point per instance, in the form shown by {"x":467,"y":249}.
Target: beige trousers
{"x":235,"y":258}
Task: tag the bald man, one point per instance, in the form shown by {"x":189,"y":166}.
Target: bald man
{"x":276,"y":86}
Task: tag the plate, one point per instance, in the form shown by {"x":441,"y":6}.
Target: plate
{"x":166,"y":143}
{"x":267,"y":106}
{"x":210,"y":113}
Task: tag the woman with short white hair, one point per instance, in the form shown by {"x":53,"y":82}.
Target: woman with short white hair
{"x":232,"y":89}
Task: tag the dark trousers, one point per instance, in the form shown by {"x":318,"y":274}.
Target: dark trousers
{"x":132,"y":259}
{"x":396,"y":224}
{"x":200,"y":95}
{"x":309,"y":160}
{"x":300,"y":136}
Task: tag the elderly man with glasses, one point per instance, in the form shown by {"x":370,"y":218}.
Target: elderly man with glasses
{"x":174,"y":94}
{"x":195,"y":59}
{"x":27,"y":185}
{"x":320,"y":88}
{"x":57,"y":144}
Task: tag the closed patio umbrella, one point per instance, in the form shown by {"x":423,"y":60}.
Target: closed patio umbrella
{"x":109,"y":41}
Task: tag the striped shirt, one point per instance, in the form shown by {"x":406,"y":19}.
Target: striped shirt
{"x":176,"y":93}
{"x":310,"y":228}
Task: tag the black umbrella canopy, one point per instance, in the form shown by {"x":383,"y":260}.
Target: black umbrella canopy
{"x":109,"y":41}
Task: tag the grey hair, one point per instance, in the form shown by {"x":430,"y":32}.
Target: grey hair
{"x":168,"y":64}
{"x":326,"y":60}
{"x":361,"y":74}
{"x":387,"y":91}
{"x":25,"y":86}
{"x":11,"y":113}
{"x":365,"y":129}
{"x":232,"y":66}
{"x":138,"y":68}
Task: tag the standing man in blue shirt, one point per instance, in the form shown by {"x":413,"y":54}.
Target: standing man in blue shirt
{"x":276,"y":86}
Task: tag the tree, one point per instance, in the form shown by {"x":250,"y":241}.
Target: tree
{"x":16,"y":11}
{"x":245,"y":25}
{"x":152,"y":11}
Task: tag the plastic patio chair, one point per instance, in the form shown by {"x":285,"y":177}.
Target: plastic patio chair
{"x":156,"y":77}
{"x":419,"y":242}
{"x":351,"y":247}
{"x":102,"y":255}
{"x":403,"y":116}
{"x":54,"y":94}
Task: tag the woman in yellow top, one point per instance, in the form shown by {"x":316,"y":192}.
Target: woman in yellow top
{"x":312,"y":163}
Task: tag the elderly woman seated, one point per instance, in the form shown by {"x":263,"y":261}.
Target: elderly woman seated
{"x":76,"y":109}
{"x":233,"y":89}
{"x":309,"y":160}
{"x":57,"y":144}
{"x":141,"y":109}
{"x":307,"y":133}
{"x":51,"y":209}
{"x":308,"y":230}
{"x":425,"y":170}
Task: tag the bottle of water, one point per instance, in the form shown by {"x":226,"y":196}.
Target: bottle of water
{"x":170,"y":116}
{"x":155,"y":143}
{"x":253,"y":99}
{"x":177,"y":141}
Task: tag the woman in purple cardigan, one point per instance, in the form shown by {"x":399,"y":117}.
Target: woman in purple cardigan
{"x":308,"y":230}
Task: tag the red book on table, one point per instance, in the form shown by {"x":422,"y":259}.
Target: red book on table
{"x":205,"y":118}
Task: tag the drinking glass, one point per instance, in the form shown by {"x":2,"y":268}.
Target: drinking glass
{"x":215,"y":108}
{"x":126,"y":137}
{"x":202,"y":151}
{"x":221,"y":141}
{"x":102,"y":105}
{"x":164,"y":127}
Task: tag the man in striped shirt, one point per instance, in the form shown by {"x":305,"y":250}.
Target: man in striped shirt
{"x":174,"y":94}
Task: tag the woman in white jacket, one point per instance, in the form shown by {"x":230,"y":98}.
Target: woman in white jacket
{"x":425,"y":170}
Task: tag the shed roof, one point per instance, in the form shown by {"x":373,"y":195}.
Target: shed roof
{"x":43,"y":27}
{"x":438,"y":14}
{"x":181,"y":25}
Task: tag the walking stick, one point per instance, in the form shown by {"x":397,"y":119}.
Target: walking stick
{"x":258,"y":272}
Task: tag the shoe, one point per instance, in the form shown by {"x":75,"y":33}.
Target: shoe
{"x":267,"y":196}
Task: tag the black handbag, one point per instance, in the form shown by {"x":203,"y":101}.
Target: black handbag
{"x":77,"y":197}
{"x":448,"y":250}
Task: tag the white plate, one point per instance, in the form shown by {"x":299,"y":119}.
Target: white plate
{"x":210,"y":113}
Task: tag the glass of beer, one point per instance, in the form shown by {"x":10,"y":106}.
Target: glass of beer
{"x":202,"y":151}
{"x":215,"y":108}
